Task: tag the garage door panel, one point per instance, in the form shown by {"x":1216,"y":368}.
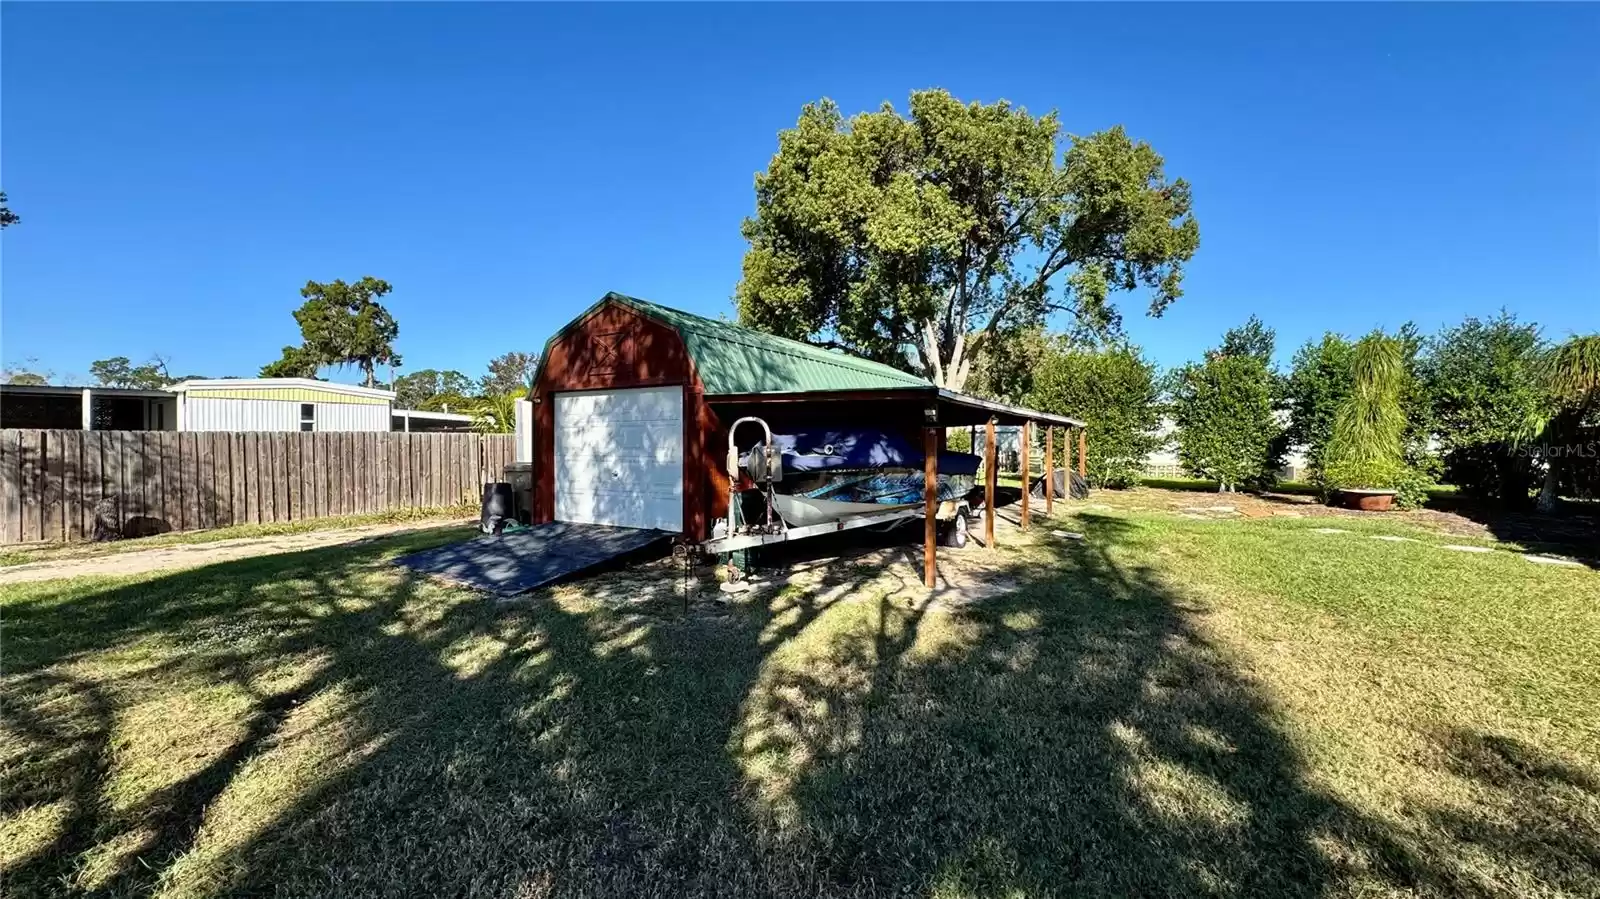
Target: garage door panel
{"x":646,"y":438}
{"x":625,"y":464}
{"x":630,"y":437}
{"x":619,"y":457}
{"x":648,"y":403}
{"x":636,"y":509}
{"x":621,"y":480}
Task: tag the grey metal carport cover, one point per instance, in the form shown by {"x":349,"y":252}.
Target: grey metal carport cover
{"x":519,"y":561}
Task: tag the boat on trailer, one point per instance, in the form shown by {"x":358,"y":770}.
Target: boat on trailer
{"x":820,"y":482}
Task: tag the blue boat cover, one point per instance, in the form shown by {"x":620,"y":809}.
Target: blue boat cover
{"x":819,"y":451}
{"x":888,"y":487}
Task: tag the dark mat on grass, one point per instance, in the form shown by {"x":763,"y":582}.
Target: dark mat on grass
{"x":1064,"y":481}
{"x":518,"y":561}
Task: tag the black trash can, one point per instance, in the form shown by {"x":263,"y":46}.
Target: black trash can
{"x":496,"y":509}
{"x":520,"y":476}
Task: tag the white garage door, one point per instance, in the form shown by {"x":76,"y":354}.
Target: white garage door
{"x":619,"y":457}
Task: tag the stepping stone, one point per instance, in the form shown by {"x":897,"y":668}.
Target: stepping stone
{"x":1465,"y":549}
{"x":1329,"y":531}
{"x":1070,"y":535}
{"x":1553,"y":560}
{"x":1392,"y":538}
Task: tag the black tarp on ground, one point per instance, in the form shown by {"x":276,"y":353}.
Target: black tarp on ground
{"x":1080,"y":487}
{"x":518,"y":561}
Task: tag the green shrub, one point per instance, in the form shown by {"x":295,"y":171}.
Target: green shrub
{"x":1223,"y":412}
{"x":1318,"y":383}
{"x":1485,"y":385}
{"x":1114,"y":390}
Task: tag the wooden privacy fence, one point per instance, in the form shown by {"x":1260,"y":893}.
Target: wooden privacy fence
{"x":66,"y":485}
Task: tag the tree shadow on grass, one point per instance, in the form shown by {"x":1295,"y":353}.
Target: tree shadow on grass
{"x":1573,"y":529}
{"x":224,"y":627}
{"x":844,"y":736}
{"x":1075,"y":737}
{"x":1528,"y":805}
{"x":482,"y":745}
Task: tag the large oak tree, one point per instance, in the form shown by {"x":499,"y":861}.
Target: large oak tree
{"x":340,"y":324}
{"x":913,"y":239}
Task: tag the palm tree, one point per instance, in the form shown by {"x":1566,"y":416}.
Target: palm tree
{"x":1572,"y":375}
{"x":495,"y":413}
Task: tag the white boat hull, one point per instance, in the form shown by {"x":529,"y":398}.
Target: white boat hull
{"x":801,"y":511}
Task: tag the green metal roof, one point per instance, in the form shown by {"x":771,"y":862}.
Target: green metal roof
{"x":736,"y":360}
{"x":732,"y":361}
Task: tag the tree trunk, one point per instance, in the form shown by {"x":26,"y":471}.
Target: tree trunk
{"x":930,"y":352}
{"x":1547,"y":492}
{"x":949,"y":373}
{"x":1562,"y":427}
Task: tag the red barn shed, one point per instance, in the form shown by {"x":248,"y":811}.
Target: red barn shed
{"x":633,"y":401}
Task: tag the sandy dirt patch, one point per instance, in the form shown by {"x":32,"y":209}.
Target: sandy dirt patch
{"x":193,"y":555}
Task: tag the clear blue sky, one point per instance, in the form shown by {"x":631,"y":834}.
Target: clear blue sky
{"x":182,"y":170}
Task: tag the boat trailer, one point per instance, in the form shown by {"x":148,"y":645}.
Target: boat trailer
{"x":766,"y":471}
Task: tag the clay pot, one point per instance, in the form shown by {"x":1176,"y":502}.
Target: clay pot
{"x":1366,"y":499}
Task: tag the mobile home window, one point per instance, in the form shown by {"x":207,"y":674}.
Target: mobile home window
{"x":308,"y":416}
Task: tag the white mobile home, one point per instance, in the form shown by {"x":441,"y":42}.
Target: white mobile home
{"x":280,"y":404}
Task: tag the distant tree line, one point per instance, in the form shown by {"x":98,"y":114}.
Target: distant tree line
{"x":1489,"y":405}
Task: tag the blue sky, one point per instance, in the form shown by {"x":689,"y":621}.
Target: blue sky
{"x":182,"y":170}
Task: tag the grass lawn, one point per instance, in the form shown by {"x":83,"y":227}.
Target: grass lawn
{"x":1169,"y":707}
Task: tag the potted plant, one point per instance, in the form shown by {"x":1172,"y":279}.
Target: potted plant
{"x":1366,"y":453}
{"x":1365,"y":499}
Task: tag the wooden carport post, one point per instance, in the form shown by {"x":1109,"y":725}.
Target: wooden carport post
{"x":990,"y":460}
{"x":1066,"y":457}
{"x":1083,"y":452}
{"x":930,"y":503}
{"x":1049,"y":469}
{"x":1027,"y":438}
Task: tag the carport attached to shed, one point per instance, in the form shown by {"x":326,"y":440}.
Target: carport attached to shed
{"x":633,"y":401}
